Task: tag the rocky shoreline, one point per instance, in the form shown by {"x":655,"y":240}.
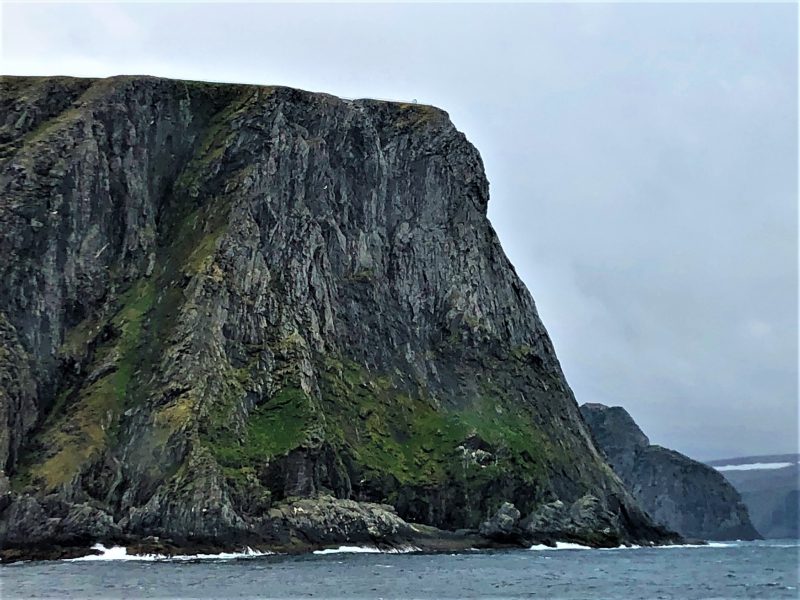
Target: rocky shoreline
{"x":309,"y":524}
{"x":429,"y":542}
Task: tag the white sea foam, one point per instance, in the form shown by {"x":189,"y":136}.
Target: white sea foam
{"x":113,"y":553}
{"x":569,"y":546}
{"x":754,"y":466}
{"x":560,"y":546}
{"x":708,"y":545}
{"x":348,"y":550}
{"x":366,"y":550}
{"x":121,"y":553}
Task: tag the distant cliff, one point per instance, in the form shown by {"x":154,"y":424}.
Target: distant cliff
{"x":771,"y":494}
{"x":217,"y":301}
{"x":678,"y":492}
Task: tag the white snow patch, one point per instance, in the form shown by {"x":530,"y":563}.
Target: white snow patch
{"x":121,"y":553}
{"x":755,"y":466}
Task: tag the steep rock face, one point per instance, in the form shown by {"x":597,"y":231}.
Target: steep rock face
{"x":771,"y":495}
{"x":215,"y":299}
{"x":682,"y":494}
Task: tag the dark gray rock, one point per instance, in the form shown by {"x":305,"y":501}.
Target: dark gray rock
{"x":589,"y":521}
{"x":682,"y":494}
{"x":584,"y":521}
{"x":217,"y":299}
{"x":503,"y":526}
{"x":329,"y":521}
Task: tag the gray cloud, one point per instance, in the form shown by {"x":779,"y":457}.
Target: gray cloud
{"x":642,"y":159}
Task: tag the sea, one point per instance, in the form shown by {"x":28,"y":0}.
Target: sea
{"x":763,"y":569}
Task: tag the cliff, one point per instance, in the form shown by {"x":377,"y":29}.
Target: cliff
{"x":219,"y":301}
{"x":770,"y":489}
{"x":682,"y":494}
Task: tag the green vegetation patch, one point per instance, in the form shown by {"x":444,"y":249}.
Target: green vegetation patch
{"x":272,"y":429}
{"x":73,"y":437}
{"x":411,"y":115}
{"x":84,"y":418}
{"x":390,"y":431}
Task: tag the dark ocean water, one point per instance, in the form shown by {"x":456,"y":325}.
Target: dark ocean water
{"x":735,"y":570}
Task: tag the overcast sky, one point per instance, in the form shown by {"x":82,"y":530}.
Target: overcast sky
{"x":642,"y":161}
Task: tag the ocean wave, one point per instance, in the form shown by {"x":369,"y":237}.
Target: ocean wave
{"x":708,"y":545}
{"x":121,"y":553}
{"x":561,"y":546}
{"x":570,"y":546}
{"x":366,"y":550}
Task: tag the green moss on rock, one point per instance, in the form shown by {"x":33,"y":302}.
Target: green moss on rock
{"x":83,"y":420}
{"x":272,"y":429}
{"x":391,"y":431}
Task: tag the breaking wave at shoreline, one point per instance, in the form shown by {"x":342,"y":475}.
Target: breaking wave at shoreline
{"x":121,"y":553}
{"x":570,"y":546}
{"x":366,"y":550}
